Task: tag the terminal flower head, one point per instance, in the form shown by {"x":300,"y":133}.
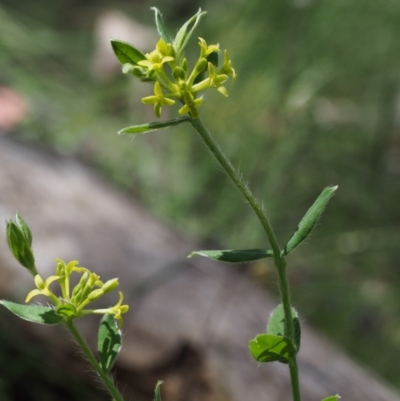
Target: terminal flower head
{"x":169,"y":68}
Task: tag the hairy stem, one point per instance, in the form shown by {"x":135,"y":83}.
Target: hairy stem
{"x":105,"y":378}
{"x":279,"y":259}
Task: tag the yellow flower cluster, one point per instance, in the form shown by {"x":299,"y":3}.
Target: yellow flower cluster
{"x":176,"y":81}
{"x":71,"y":304}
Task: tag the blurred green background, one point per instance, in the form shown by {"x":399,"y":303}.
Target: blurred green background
{"x":316,"y":103}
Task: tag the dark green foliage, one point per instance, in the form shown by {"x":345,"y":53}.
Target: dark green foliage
{"x":109,"y":342}
{"x":161,"y":28}
{"x":186,"y":31}
{"x":33,"y":313}
{"x":144,"y":128}
{"x":126,"y":53}
{"x":332,"y":398}
{"x":235,"y":256}
{"x":271,"y":348}
{"x":276,"y":324}
{"x":309,"y":220}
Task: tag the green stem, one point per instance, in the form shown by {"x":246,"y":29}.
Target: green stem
{"x":279,"y":259}
{"x":106,"y":379}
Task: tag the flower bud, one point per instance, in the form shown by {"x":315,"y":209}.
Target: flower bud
{"x":184,"y":65}
{"x":201,"y":65}
{"x":19,"y":239}
{"x":178,"y":73}
{"x":96,"y":294}
{"x":79,"y":293}
{"x":110,"y":285}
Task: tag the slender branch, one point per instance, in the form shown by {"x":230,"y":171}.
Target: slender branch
{"x":289,"y":329}
{"x":106,"y":379}
{"x":238,"y":181}
{"x":279,"y":259}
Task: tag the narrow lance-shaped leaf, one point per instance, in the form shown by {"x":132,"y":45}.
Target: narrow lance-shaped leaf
{"x":332,"y":398}
{"x":157,"y":391}
{"x":310,"y":219}
{"x":271,"y":348}
{"x":33,"y":313}
{"x":235,"y":256}
{"x":184,"y":34}
{"x":143,"y":128}
{"x":109,"y":342}
{"x":126,"y":53}
{"x":161,"y":28}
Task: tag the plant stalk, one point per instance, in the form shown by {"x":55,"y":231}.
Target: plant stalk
{"x":279,"y":259}
{"x":106,"y":379}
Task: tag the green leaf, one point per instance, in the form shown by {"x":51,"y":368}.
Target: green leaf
{"x":297,"y":332}
{"x":109,"y":342}
{"x":276,"y":324}
{"x":20,"y":248}
{"x":161,"y":28}
{"x":184,"y":34}
{"x":126,"y":53}
{"x":33,"y":313}
{"x":332,"y":398}
{"x":25,"y":230}
{"x":157,"y":391}
{"x":141,"y":129}
{"x":235,"y":256}
{"x":270,"y":348}
{"x":310,"y":219}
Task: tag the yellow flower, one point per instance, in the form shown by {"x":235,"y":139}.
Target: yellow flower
{"x":64,"y":271}
{"x":206,"y":50}
{"x":216,"y":80}
{"x":43,"y":288}
{"x":155,"y":60}
{"x":227,"y":66}
{"x":191,"y":104}
{"x":158,"y":99}
{"x":116,"y":311}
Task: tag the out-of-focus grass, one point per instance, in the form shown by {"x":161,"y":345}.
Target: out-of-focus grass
{"x":315,"y":103}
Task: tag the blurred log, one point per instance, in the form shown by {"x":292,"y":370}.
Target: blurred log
{"x":190,"y":319}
